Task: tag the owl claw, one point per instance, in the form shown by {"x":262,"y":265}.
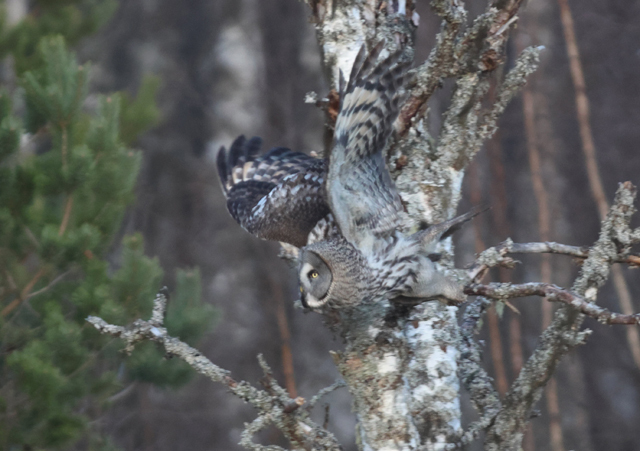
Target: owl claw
{"x":432,"y":284}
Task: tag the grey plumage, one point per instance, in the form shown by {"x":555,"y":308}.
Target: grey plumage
{"x":361,"y":194}
{"x":345,"y":214}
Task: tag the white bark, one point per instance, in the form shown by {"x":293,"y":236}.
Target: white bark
{"x":16,"y":10}
{"x":401,"y":373}
{"x":401,"y":365}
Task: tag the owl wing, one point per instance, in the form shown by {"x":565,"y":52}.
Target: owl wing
{"x":277,"y":196}
{"x":361,"y":194}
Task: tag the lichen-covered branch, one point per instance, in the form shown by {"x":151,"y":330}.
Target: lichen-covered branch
{"x":440,"y":64}
{"x":616,"y":239}
{"x":402,"y":364}
{"x":474,"y":377}
{"x":273,"y":404}
{"x":460,"y":51}
{"x":504,"y":423}
{"x":438,"y":165}
{"x":525,"y":65}
{"x":504,"y":291}
{"x":497,"y":255}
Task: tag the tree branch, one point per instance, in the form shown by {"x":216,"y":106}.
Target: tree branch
{"x":273,"y":404}
{"x":324,"y":392}
{"x":503,"y":291}
{"x":496,"y":256}
{"x":474,"y":377}
{"x":563,"y":334}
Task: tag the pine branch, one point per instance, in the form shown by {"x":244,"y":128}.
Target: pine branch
{"x":24,"y":293}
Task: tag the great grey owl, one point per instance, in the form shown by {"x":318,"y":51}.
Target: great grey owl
{"x":345,"y":212}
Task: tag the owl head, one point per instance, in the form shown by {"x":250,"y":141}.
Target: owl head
{"x":332,"y":274}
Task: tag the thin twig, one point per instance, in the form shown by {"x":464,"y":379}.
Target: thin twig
{"x":324,"y":392}
{"x":24,"y":294}
{"x":51,"y":284}
{"x":495,"y":256}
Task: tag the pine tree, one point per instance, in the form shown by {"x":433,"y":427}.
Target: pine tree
{"x":66,"y":178}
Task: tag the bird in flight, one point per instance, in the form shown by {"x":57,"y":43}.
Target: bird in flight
{"x":344,"y":213}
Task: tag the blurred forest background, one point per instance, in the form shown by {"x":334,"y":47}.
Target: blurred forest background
{"x":230,"y":67}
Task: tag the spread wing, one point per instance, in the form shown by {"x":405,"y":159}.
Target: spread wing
{"x":362,"y":196}
{"x":277,"y":196}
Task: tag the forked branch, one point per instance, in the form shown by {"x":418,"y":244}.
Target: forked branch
{"x":273,"y":404}
{"x":614,"y":242}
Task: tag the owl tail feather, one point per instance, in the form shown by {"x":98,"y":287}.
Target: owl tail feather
{"x":439,"y":232}
{"x":369,"y":101}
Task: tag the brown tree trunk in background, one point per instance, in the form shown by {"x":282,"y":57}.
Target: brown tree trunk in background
{"x":503,"y":230}
{"x":544,"y":227}
{"x":497,"y":354}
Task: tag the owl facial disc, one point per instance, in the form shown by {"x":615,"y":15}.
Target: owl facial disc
{"x":315,"y":280}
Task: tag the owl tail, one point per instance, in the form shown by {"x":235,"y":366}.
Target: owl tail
{"x":369,"y":103}
{"x":429,"y":237}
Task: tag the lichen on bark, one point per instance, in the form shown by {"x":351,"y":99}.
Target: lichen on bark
{"x":401,"y":364}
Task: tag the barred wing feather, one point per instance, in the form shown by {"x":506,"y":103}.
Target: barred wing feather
{"x":278,"y":196}
{"x":361,"y":194}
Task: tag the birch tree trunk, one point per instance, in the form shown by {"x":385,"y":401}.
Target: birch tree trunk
{"x":400,"y":364}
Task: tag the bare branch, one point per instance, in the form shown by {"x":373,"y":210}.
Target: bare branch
{"x":50,"y":285}
{"x":274,"y":406}
{"x":324,"y":392}
{"x":563,"y":333}
{"x":496,"y":256}
{"x":503,"y":291}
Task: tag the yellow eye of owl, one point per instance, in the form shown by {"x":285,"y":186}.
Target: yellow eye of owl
{"x":313,"y":274}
